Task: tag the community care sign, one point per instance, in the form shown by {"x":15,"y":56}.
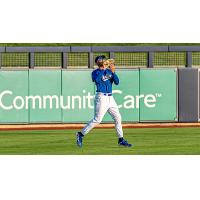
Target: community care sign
{"x":68,"y":96}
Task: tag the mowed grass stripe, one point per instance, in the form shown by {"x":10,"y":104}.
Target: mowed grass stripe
{"x":148,"y":141}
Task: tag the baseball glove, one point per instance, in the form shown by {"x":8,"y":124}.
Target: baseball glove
{"x":111,"y":64}
{"x":111,"y":61}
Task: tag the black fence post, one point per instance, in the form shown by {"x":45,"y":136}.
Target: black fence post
{"x":2,"y":50}
{"x":64,"y":60}
{"x":150,"y":59}
{"x":188,"y":59}
{"x":90,"y":60}
{"x":31,"y":60}
{"x":112,"y":55}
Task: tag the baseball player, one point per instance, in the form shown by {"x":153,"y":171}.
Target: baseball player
{"x":104,"y":102}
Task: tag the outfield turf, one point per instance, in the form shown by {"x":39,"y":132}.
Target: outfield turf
{"x":147,"y":141}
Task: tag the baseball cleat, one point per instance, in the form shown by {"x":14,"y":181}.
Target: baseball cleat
{"x":124,"y":143}
{"x":79,"y":139}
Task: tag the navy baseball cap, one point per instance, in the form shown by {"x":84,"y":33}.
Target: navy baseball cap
{"x":101,"y":57}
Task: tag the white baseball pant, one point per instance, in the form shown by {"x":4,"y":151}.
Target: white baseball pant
{"x":105,"y":104}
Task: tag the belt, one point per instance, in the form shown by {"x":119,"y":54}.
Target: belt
{"x":105,"y":94}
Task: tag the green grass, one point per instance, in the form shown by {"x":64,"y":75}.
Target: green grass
{"x":148,"y":141}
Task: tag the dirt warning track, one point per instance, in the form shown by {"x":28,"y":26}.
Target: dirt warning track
{"x":79,"y":126}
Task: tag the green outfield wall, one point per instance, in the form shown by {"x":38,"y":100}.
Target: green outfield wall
{"x":67,"y":96}
{"x":13,"y":84}
{"x":160,"y":88}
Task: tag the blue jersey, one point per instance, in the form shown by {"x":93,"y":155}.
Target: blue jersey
{"x":104,"y":80}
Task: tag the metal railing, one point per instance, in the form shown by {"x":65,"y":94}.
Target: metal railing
{"x":83,"y":56}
